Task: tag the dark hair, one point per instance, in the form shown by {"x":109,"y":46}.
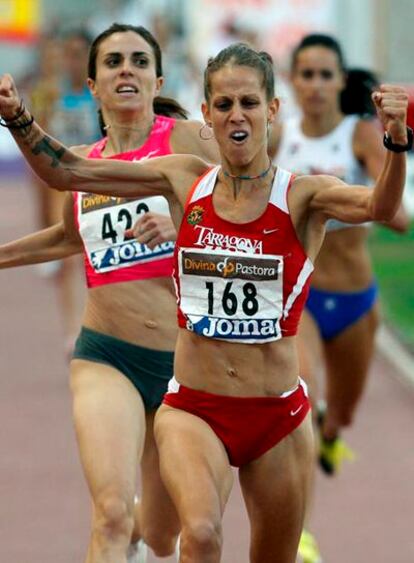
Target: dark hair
{"x":241,"y":54}
{"x":319,"y":40}
{"x":162,"y":106}
{"x":356,"y":97}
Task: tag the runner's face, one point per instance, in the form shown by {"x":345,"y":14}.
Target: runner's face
{"x":317,"y":80}
{"x":125,"y":73}
{"x":239,"y":112}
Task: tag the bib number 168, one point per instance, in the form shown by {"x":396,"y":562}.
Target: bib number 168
{"x":230,"y":301}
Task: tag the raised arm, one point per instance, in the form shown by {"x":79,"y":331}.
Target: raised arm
{"x":357,"y":204}
{"x":63,"y":170}
{"x":56,"y":242}
{"x":369,"y":150}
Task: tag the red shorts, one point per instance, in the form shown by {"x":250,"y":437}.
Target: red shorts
{"x":247,"y":426}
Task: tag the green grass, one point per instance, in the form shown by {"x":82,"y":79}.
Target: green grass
{"x":393,"y":257}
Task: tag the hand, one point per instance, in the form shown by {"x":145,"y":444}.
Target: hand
{"x":391,"y":103}
{"x":152,"y":229}
{"x":9,"y":97}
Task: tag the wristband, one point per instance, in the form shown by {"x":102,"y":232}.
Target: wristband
{"x":21,"y":125}
{"x":394,"y":147}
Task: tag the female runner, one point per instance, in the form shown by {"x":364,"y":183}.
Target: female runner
{"x":333,"y":136}
{"x":123,"y":357}
{"x":248,"y":233}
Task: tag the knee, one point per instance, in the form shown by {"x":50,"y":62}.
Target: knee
{"x":202,"y":537}
{"x":114,"y":519}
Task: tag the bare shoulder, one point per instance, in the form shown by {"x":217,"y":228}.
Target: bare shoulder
{"x":313,"y":184}
{"x":367,"y":137}
{"x":366,"y":127}
{"x":182,"y":170}
{"x":186,"y":139}
{"x":181,"y":162}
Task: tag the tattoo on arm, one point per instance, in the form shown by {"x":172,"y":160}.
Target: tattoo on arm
{"x":45,"y":146}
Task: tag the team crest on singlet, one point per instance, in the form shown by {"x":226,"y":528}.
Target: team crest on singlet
{"x":196,"y":215}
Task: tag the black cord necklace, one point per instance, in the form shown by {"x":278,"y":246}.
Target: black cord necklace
{"x":246,"y":177}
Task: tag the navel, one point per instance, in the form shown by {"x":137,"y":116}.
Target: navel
{"x":232,"y":372}
{"x":150,"y":324}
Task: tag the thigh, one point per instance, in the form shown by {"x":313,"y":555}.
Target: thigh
{"x":275,"y":488}
{"x":109,"y":419}
{"x":348,"y":357}
{"x":156,"y":507}
{"x":194,"y":465}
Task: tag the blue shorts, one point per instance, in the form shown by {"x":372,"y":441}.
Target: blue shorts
{"x":334,"y":312}
{"x":148,"y":370}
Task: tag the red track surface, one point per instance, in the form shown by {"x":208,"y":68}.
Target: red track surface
{"x":365,"y":515}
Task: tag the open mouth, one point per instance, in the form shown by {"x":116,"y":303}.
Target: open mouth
{"x":239,"y":136}
{"x":127,"y":89}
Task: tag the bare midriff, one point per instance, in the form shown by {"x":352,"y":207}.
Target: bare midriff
{"x":140,"y":312}
{"x":239,"y":370}
{"x":343,"y":263}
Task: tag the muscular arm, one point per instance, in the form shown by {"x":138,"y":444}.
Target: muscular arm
{"x":63,"y":170}
{"x":357,"y":204}
{"x":369,"y":150}
{"x":56,"y":242}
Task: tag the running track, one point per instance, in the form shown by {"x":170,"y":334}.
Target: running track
{"x":365,"y":515}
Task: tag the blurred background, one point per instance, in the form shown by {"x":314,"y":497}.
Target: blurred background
{"x":43,"y":44}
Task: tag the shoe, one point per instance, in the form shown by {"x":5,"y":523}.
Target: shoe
{"x":308,"y":551}
{"x":137,"y":552}
{"x":332,"y":452}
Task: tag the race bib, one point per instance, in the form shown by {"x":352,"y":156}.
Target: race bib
{"x":103,"y":221}
{"x":231,"y":296}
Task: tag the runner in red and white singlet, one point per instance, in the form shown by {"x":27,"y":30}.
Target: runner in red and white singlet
{"x":236,"y":398}
{"x":259,"y":269}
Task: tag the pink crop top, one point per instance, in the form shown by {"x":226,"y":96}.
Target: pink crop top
{"x":102,"y":221}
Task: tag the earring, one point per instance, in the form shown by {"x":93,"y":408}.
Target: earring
{"x":208,"y":132}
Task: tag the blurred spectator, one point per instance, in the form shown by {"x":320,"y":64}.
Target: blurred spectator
{"x":62,"y":102}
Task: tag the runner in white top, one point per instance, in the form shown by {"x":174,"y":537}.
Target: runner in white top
{"x":342,"y":314}
{"x":335,"y":134}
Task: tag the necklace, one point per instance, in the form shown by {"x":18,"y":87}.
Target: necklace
{"x":246,"y":177}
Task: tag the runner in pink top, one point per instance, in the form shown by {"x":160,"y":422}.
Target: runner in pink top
{"x":237,"y":393}
{"x":123,"y":357}
{"x":110,"y":256}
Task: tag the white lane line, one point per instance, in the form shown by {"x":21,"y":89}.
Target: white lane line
{"x":389,"y":346}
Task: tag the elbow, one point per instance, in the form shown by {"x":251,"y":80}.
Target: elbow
{"x":382,"y":213}
{"x":400,"y":223}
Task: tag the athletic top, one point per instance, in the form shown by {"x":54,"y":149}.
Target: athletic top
{"x":240,"y":282}
{"x":102,"y":221}
{"x":331,"y":154}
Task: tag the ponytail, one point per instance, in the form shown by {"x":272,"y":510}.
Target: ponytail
{"x":169,"y":108}
{"x":356,"y":97}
